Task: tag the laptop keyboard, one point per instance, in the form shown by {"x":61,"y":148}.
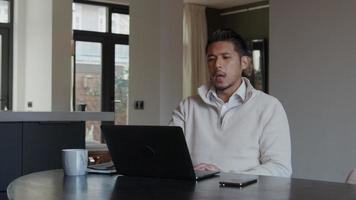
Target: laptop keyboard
{"x":204,"y":173}
{"x":103,"y":166}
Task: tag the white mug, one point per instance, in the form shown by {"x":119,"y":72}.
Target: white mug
{"x":75,"y":161}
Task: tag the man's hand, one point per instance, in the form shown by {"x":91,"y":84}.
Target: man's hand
{"x":205,"y":167}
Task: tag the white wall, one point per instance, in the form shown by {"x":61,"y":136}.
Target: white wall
{"x":42,"y":34}
{"x":171,"y":57}
{"x":155,"y":59}
{"x":61,"y":55}
{"x":313,"y":73}
{"x":19,"y":56}
{"x":38,"y":53}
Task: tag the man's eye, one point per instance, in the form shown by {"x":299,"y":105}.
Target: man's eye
{"x":211,"y":58}
{"x":226,"y":57}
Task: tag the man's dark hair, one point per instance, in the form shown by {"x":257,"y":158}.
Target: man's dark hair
{"x":228,"y":35}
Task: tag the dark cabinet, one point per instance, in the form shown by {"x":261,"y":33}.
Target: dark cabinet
{"x":28,"y":147}
{"x":11,"y":152}
{"x":43,"y":142}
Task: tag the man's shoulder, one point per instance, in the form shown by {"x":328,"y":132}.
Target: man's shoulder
{"x":258,"y":96}
{"x":191,"y":100}
{"x":267,"y":105}
{"x":265,"y":96}
{"x":265,"y":99}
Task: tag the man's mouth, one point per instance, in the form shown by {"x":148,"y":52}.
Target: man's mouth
{"x":219,"y":76}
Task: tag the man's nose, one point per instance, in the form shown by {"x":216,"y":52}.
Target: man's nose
{"x":218,"y":63}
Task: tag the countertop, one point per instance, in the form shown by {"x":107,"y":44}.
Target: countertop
{"x":9,"y":116}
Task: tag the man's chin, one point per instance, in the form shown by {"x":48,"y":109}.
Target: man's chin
{"x":220,"y":86}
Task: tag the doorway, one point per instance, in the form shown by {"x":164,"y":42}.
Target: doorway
{"x":100,"y":62}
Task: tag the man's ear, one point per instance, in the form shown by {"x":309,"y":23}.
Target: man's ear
{"x":245,"y":62}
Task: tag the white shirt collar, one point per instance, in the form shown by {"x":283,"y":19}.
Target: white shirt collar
{"x":239,"y":93}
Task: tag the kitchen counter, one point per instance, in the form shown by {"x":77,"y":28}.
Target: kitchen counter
{"x":9,"y":116}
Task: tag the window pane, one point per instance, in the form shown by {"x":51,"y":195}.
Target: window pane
{"x":89,"y":17}
{"x":121,"y":83}
{"x":88,"y":76}
{"x":257,"y":69}
{"x":256,"y":57}
{"x":92,"y":132}
{"x":120,"y":23}
{"x":4,"y":11}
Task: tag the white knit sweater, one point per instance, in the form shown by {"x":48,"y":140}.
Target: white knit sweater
{"x":251,"y":138}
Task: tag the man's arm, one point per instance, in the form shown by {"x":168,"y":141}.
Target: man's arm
{"x":275,"y":146}
{"x":178,"y":116}
{"x":178,"y":119}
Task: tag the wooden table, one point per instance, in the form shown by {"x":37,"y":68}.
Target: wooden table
{"x":52,"y":185}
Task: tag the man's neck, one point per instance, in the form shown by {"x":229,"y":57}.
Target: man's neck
{"x":226,"y":94}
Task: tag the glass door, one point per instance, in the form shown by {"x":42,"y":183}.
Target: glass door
{"x":88,"y":64}
{"x":121,"y":83}
{"x":100,"y":63}
{"x":88,"y":83}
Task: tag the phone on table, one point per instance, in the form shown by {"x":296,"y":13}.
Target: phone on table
{"x":238,"y":182}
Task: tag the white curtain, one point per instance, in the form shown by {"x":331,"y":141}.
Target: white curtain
{"x":195,"y":71}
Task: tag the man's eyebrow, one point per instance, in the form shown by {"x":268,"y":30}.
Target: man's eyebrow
{"x":225,"y":53}
{"x":220,"y":54}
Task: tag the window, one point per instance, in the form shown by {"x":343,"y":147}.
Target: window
{"x":89,"y":17}
{"x":120,"y":23}
{"x":88,"y":76}
{"x":257,"y":72}
{"x":121,"y":83}
{"x":100,"y":61}
{"x":4,"y":11}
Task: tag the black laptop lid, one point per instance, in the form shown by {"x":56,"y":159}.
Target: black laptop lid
{"x":150,"y":151}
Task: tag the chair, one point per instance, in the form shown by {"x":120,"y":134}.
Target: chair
{"x":351,"y":178}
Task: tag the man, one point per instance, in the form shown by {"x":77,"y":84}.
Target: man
{"x":230,"y":125}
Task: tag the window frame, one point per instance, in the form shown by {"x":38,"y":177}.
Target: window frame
{"x":112,"y":8}
{"x":108,"y":41}
{"x":106,"y":38}
{"x":7,"y":69}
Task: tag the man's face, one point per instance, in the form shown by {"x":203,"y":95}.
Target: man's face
{"x":225,"y":66}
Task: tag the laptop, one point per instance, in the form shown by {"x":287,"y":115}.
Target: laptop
{"x":151,"y":151}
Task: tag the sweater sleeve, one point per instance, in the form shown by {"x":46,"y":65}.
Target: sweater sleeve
{"x":178,"y":116}
{"x":275,"y":145}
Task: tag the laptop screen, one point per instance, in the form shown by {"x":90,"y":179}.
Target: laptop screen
{"x":149,"y":151}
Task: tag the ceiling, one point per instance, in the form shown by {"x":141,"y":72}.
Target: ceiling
{"x":221,"y":4}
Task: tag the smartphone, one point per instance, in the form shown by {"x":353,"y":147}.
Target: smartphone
{"x":238,"y":182}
